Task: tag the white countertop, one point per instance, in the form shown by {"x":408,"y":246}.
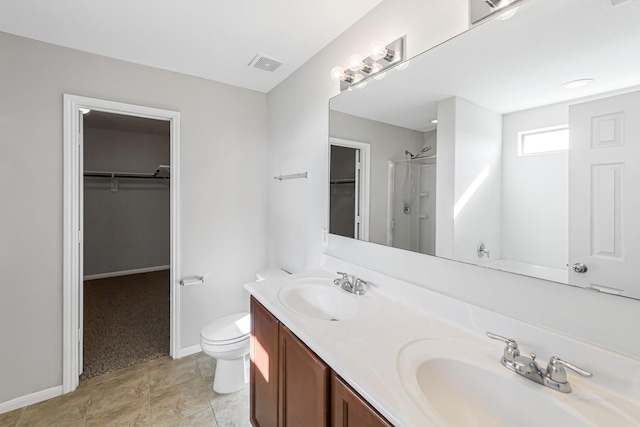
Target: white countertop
{"x":393,"y":314}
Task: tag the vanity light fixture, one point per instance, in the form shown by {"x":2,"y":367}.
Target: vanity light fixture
{"x":479,"y":10}
{"x":575,"y":84}
{"x":359,"y":70}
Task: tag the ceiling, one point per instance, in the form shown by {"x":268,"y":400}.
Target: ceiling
{"x":511,"y":65}
{"x":215,"y":40}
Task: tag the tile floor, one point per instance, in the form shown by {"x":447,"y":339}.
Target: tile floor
{"x":161,"y":392}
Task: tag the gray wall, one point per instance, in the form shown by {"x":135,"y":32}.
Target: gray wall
{"x":387,"y":142}
{"x":223,"y":194}
{"x":127,"y":229}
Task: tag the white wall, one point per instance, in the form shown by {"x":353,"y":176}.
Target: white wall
{"x":127,"y":229}
{"x":387,"y":142}
{"x":535,"y":193}
{"x":478,"y":179}
{"x":298,"y":139}
{"x":223,"y":194}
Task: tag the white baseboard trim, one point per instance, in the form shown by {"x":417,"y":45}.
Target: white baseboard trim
{"x":126,"y":272}
{"x":184,"y":352}
{"x":30,"y":399}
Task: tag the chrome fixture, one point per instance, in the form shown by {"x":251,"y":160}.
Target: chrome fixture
{"x":579,"y":267}
{"x":381,"y":57}
{"x":555,"y":376}
{"x":292,"y":176}
{"x":482,"y":250}
{"x":479,"y":10}
{"x":351,"y":283}
{"x":420,"y":155}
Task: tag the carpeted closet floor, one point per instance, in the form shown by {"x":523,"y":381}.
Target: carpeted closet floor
{"x":126,"y":321}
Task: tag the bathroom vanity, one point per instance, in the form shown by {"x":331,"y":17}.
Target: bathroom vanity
{"x":402,"y":355}
{"x":292,"y":386}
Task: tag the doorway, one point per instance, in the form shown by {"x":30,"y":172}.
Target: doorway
{"x":73,"y":227}
{"x":349,"y":188}
{"x":125,"y":248}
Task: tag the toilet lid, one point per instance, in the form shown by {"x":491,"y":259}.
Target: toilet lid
{"x":233,"y":327}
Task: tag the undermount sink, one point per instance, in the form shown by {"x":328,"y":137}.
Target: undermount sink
{"x":455,"y":384}
{"x":319,"y":298}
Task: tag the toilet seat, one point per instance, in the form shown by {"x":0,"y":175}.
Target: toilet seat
{"x":227,"y":330}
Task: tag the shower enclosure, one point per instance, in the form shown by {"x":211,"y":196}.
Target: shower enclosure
{"x":411,"y":204}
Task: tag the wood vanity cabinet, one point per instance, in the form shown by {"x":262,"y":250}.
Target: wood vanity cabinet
{"x":292,"y":387}
{"x":304,"y":384}
{"x":351,"y":410}
{"x":263,"y":371}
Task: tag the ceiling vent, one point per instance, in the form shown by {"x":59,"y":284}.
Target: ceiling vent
{"x":265,"y":63}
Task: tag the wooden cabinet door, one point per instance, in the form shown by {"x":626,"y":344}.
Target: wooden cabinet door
{"x":351,"y":410}
{"x":264,"y":366}
{"x":304,"y":384}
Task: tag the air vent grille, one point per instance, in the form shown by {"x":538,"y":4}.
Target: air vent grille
{"x":265,"y":63}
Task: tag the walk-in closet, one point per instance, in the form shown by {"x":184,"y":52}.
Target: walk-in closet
{"x":126,"y":241}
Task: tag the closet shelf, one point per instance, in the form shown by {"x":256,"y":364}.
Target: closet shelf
{"x":162,"y":172}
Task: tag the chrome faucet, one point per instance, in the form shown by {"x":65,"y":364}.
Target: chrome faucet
{"x":554,"y":376}
{"x":351,"y":283}
{"x":482,"y":250}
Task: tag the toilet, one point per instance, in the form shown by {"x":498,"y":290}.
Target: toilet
{"x":227,"y":340}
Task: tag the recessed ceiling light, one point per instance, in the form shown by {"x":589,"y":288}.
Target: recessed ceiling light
{"x":575,"y":84}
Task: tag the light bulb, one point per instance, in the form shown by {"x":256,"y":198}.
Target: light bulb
{"x":337,"y":73}
{"x":355,"y":62}
{"x":376,"y":69}
{"x":403,"y":65}
{"x":506,"y":15}
{"x":377,"y":50}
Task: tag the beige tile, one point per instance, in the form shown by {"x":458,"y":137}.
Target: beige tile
{"x":68,"y":410}
{"x":203,"y":418}
{"x":165,"y":372}
{"x":10,"y":419}
{"x":206,"y":365}
{"x":132,"y":414}
{"x":91,"y":382}
{"x":232,"y":410}
{"x":119,"y":391}
{"x":173,"y":404}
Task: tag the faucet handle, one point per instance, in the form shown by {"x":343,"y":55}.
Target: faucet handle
{"x":556,"y":372}
{"x":341,"y":280}
{"x":358,"y":286}
{"x":511,"y":351}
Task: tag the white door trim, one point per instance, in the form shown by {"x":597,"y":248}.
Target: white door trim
{"x":71,"y":280}
{"x":365,"y":182}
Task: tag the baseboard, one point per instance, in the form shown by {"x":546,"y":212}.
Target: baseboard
{"x":30,"y":399}
{"x":189,"y":351}
{"x":126,"y":272}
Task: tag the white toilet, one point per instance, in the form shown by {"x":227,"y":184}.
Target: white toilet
{"x":227,"y":340}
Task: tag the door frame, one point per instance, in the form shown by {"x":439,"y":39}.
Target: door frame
{"x":364,"y":190}
{"x":72,"y":237}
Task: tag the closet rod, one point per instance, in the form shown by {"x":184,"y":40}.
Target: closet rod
{"x":99,"y":174}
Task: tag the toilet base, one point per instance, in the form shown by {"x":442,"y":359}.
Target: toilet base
{"x":231,"y":375}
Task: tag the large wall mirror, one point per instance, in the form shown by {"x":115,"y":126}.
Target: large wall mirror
{"x":514,"y":146}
